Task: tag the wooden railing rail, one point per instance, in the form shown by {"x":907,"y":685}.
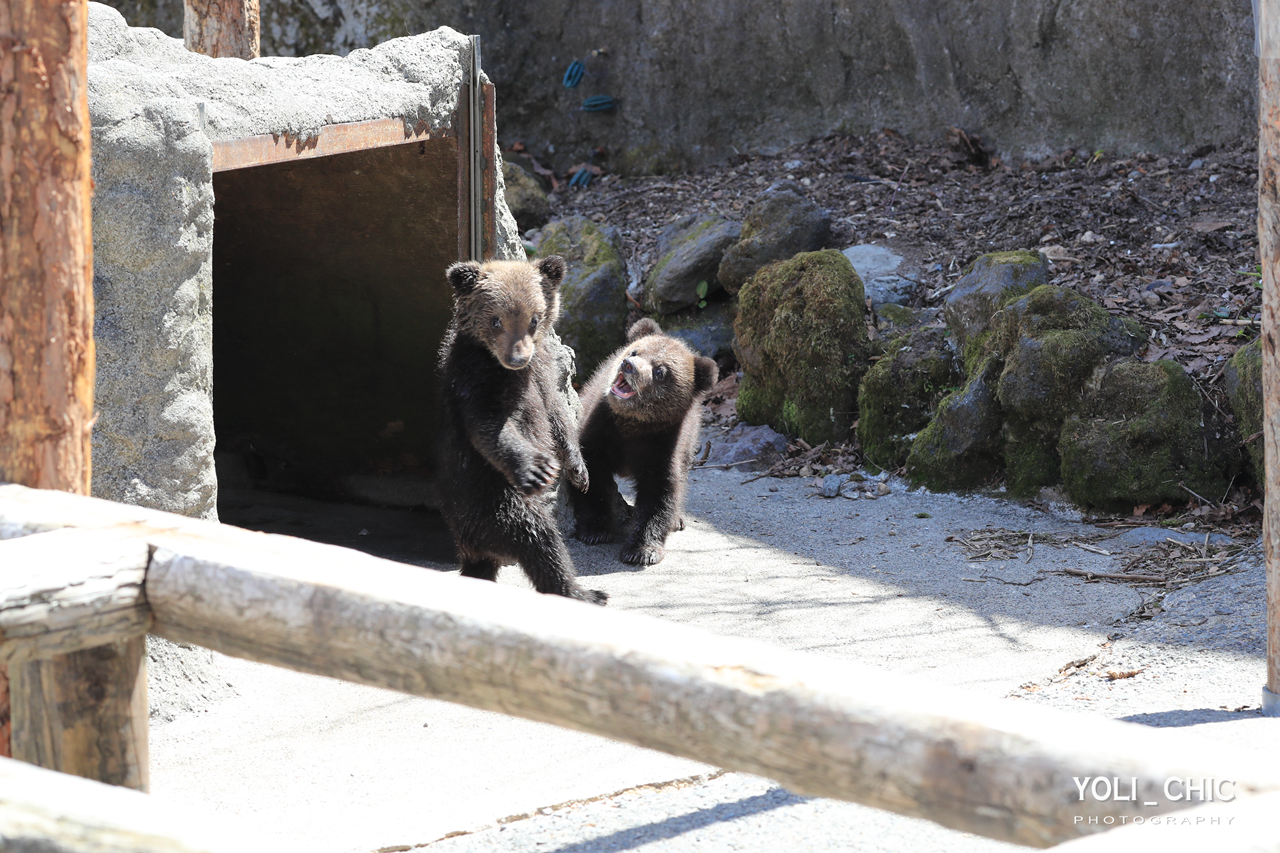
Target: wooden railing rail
{"x":821,"y":727}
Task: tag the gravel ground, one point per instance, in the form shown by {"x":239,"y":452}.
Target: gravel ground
{"x":730,"y":811}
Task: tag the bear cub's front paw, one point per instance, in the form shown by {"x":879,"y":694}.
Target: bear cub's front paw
{"x":594,"y":596}
{"x":643,"y":555}
{"x":538,"y":476}
{"x":577,"y":473}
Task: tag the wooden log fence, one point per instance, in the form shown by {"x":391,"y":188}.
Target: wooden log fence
{"x":43,"y":810}
{"x":821,"y":727}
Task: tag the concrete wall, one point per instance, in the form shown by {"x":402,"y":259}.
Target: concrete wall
{"x":698,"y":80}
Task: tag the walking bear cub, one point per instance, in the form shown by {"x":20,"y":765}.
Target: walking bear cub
{"x":640,"y":420}
{"x":506,"y":431}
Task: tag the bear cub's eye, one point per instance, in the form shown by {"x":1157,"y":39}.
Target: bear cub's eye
{"x":496,"y":322}
{"x":659,"y":373}
{"x":634,"y":353}
{"x":533,"y":324}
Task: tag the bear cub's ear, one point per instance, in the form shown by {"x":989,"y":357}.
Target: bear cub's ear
{"x":705,"y":374}
{"x":552,"y":268}
{"x":463,"y":276}
{"x":641,"y":328}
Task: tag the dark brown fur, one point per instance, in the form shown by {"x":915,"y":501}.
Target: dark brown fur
{"x":506,"y":431}
{"x":649,"y":437}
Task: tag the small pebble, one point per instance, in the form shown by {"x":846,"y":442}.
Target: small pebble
{"x":831,"y":485}
{"x":883,"y":489}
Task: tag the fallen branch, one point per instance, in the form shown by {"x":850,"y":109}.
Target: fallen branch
{"x":727,"y":464}
{"x":1115,"y":577}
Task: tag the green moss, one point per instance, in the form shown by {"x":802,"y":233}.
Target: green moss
{"x":593,"y":295}
{"x":900,"y":393}
{"x":963,"y":445}
{"x":1144,"y":434}
{"x":1030,"y":465}
{"x":801,"y":338}
{"x":1242,"y":379}
{"x":896,"y":314}
{"x":976,"y":350}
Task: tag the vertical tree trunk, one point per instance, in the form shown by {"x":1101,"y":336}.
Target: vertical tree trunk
{"x":47,"y":365}
{"x":221,"y":27}
{"x":1268,"y":24}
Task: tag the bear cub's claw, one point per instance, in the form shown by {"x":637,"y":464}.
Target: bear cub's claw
{"x":577,"y":474}
{"x":595,"y":596}
{"x":591,"y":534}
{"x":643,"y":555}
{"x":539,"y":476}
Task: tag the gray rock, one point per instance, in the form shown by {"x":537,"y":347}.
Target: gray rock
{"x":525,"y":198}
{"x":689,"y":253}
{"x":962,"y":446}
{"x":780,"y":224}
{"x":1144,"y":434}
{"x":593,"y":296}
{"x":708,"y":332}
{"x":831,"y":485}
{"x":878,"y":268}
{"x":989,"y":282}
{"x":756,"y":447}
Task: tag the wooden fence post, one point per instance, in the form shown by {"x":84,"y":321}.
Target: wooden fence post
{"x":222,"y":27}
{"x":1268,"y":27}
{"x":47,"y":372}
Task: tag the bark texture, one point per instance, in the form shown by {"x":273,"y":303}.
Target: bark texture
{"x":46,"y":255}
{"x":1269,"y":251}
{"x":221,"y":27}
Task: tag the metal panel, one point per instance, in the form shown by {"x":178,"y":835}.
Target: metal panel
{"x":333,"y":139}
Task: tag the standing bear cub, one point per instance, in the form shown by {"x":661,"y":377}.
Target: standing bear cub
{"x":506,"y":431}
{"x":640,"y":420}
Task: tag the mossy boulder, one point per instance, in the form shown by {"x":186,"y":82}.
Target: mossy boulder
{"x":1051,"y":341}
{"x":900,"y":394}
{"x":593,"y":297}
{"x":801,"y":339}
{"x":1145,"y":436}
{"x":1242,"y":380}
{"x":963,"y":446}
{"x":780,"y":224}
{"x":689,"y":253}
{"x":528,"y":202}
{"x":986,"y":286}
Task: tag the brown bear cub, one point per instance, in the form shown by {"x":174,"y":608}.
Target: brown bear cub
{"x":506,"y":431}
{"x":640,"y":420}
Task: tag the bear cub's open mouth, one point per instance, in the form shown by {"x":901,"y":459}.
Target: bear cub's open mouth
{"x":622,"y":389}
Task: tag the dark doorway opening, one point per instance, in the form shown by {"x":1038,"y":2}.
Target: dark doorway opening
{"x":329,"y":304}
